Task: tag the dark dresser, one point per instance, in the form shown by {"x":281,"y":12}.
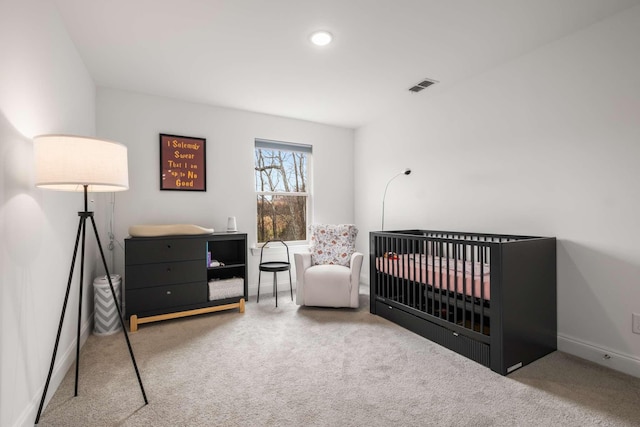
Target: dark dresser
{"x":176,"y":276}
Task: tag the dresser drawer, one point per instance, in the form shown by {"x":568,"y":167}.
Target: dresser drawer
{"x":144,"y":251}
{"x":165,"y":273}
{"x":164,"y":297}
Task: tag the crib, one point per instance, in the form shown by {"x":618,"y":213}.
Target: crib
{"x":488,"y":297}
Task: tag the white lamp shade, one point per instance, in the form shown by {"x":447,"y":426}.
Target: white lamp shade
{"x":68,"y":163}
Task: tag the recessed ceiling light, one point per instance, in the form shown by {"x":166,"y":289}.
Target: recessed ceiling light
{"x":321,"y":38}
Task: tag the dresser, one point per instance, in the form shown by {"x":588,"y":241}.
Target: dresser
{"x":176,"y":276}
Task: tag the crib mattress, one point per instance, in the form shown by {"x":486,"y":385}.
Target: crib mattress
{"x":464,"y":277}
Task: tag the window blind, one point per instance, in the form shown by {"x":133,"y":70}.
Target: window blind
{"x":282,"y":146}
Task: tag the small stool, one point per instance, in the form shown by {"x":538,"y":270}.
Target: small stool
{"x":274,"y":267}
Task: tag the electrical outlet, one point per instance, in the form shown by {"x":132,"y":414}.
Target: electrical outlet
{"x":636,"y":323}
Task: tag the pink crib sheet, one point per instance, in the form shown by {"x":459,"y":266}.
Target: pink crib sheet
{"x":427,"y":269}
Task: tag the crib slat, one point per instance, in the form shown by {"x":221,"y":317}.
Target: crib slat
{"x":473,"y":282}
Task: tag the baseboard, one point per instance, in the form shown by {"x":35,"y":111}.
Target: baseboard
{"x":617,"y":361}
{"x":64,"y":361}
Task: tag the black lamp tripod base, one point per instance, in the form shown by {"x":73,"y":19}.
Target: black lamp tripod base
{"x":82,"y":231}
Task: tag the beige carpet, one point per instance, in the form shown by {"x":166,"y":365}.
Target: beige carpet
{"x":294,"y":366}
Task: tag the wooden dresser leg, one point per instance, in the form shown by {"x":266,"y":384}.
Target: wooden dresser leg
{"x":241,"y":305}
{"x":133,"y":323}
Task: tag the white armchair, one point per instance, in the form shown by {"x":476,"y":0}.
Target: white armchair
{"x":329,"y":275}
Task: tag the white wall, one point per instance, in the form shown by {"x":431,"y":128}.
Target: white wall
{"x":137,"y":120}
{"x":546,"y":145}
{"x":44,"y":88}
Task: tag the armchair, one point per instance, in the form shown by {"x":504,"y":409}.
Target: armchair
{"x":329,"y":275}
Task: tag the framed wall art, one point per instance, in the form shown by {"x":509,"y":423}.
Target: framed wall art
{"x":183,"y":163}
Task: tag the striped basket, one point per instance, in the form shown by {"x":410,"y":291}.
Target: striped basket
{"x":106,"y":320}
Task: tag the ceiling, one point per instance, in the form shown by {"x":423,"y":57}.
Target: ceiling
{"x":255,"y":55}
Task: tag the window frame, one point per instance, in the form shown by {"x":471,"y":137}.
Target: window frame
{"x":261,"y":143}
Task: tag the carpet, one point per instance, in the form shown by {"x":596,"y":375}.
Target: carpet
{"x":304,"y":366}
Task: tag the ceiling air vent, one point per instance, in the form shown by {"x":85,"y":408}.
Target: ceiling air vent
{"x":422,"y":85}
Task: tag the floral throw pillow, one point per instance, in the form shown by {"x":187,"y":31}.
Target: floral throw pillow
{"x":333,"y":244}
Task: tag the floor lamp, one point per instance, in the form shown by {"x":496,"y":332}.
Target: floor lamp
{"x":407,"y":171}
{"x":81,"y":164}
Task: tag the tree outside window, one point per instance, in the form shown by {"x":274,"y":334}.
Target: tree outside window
{"x":281,"y":188}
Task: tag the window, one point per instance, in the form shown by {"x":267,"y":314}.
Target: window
{"x":281,"y":172}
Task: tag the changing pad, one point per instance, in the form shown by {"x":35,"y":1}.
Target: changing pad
{"x":155,"y":230}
